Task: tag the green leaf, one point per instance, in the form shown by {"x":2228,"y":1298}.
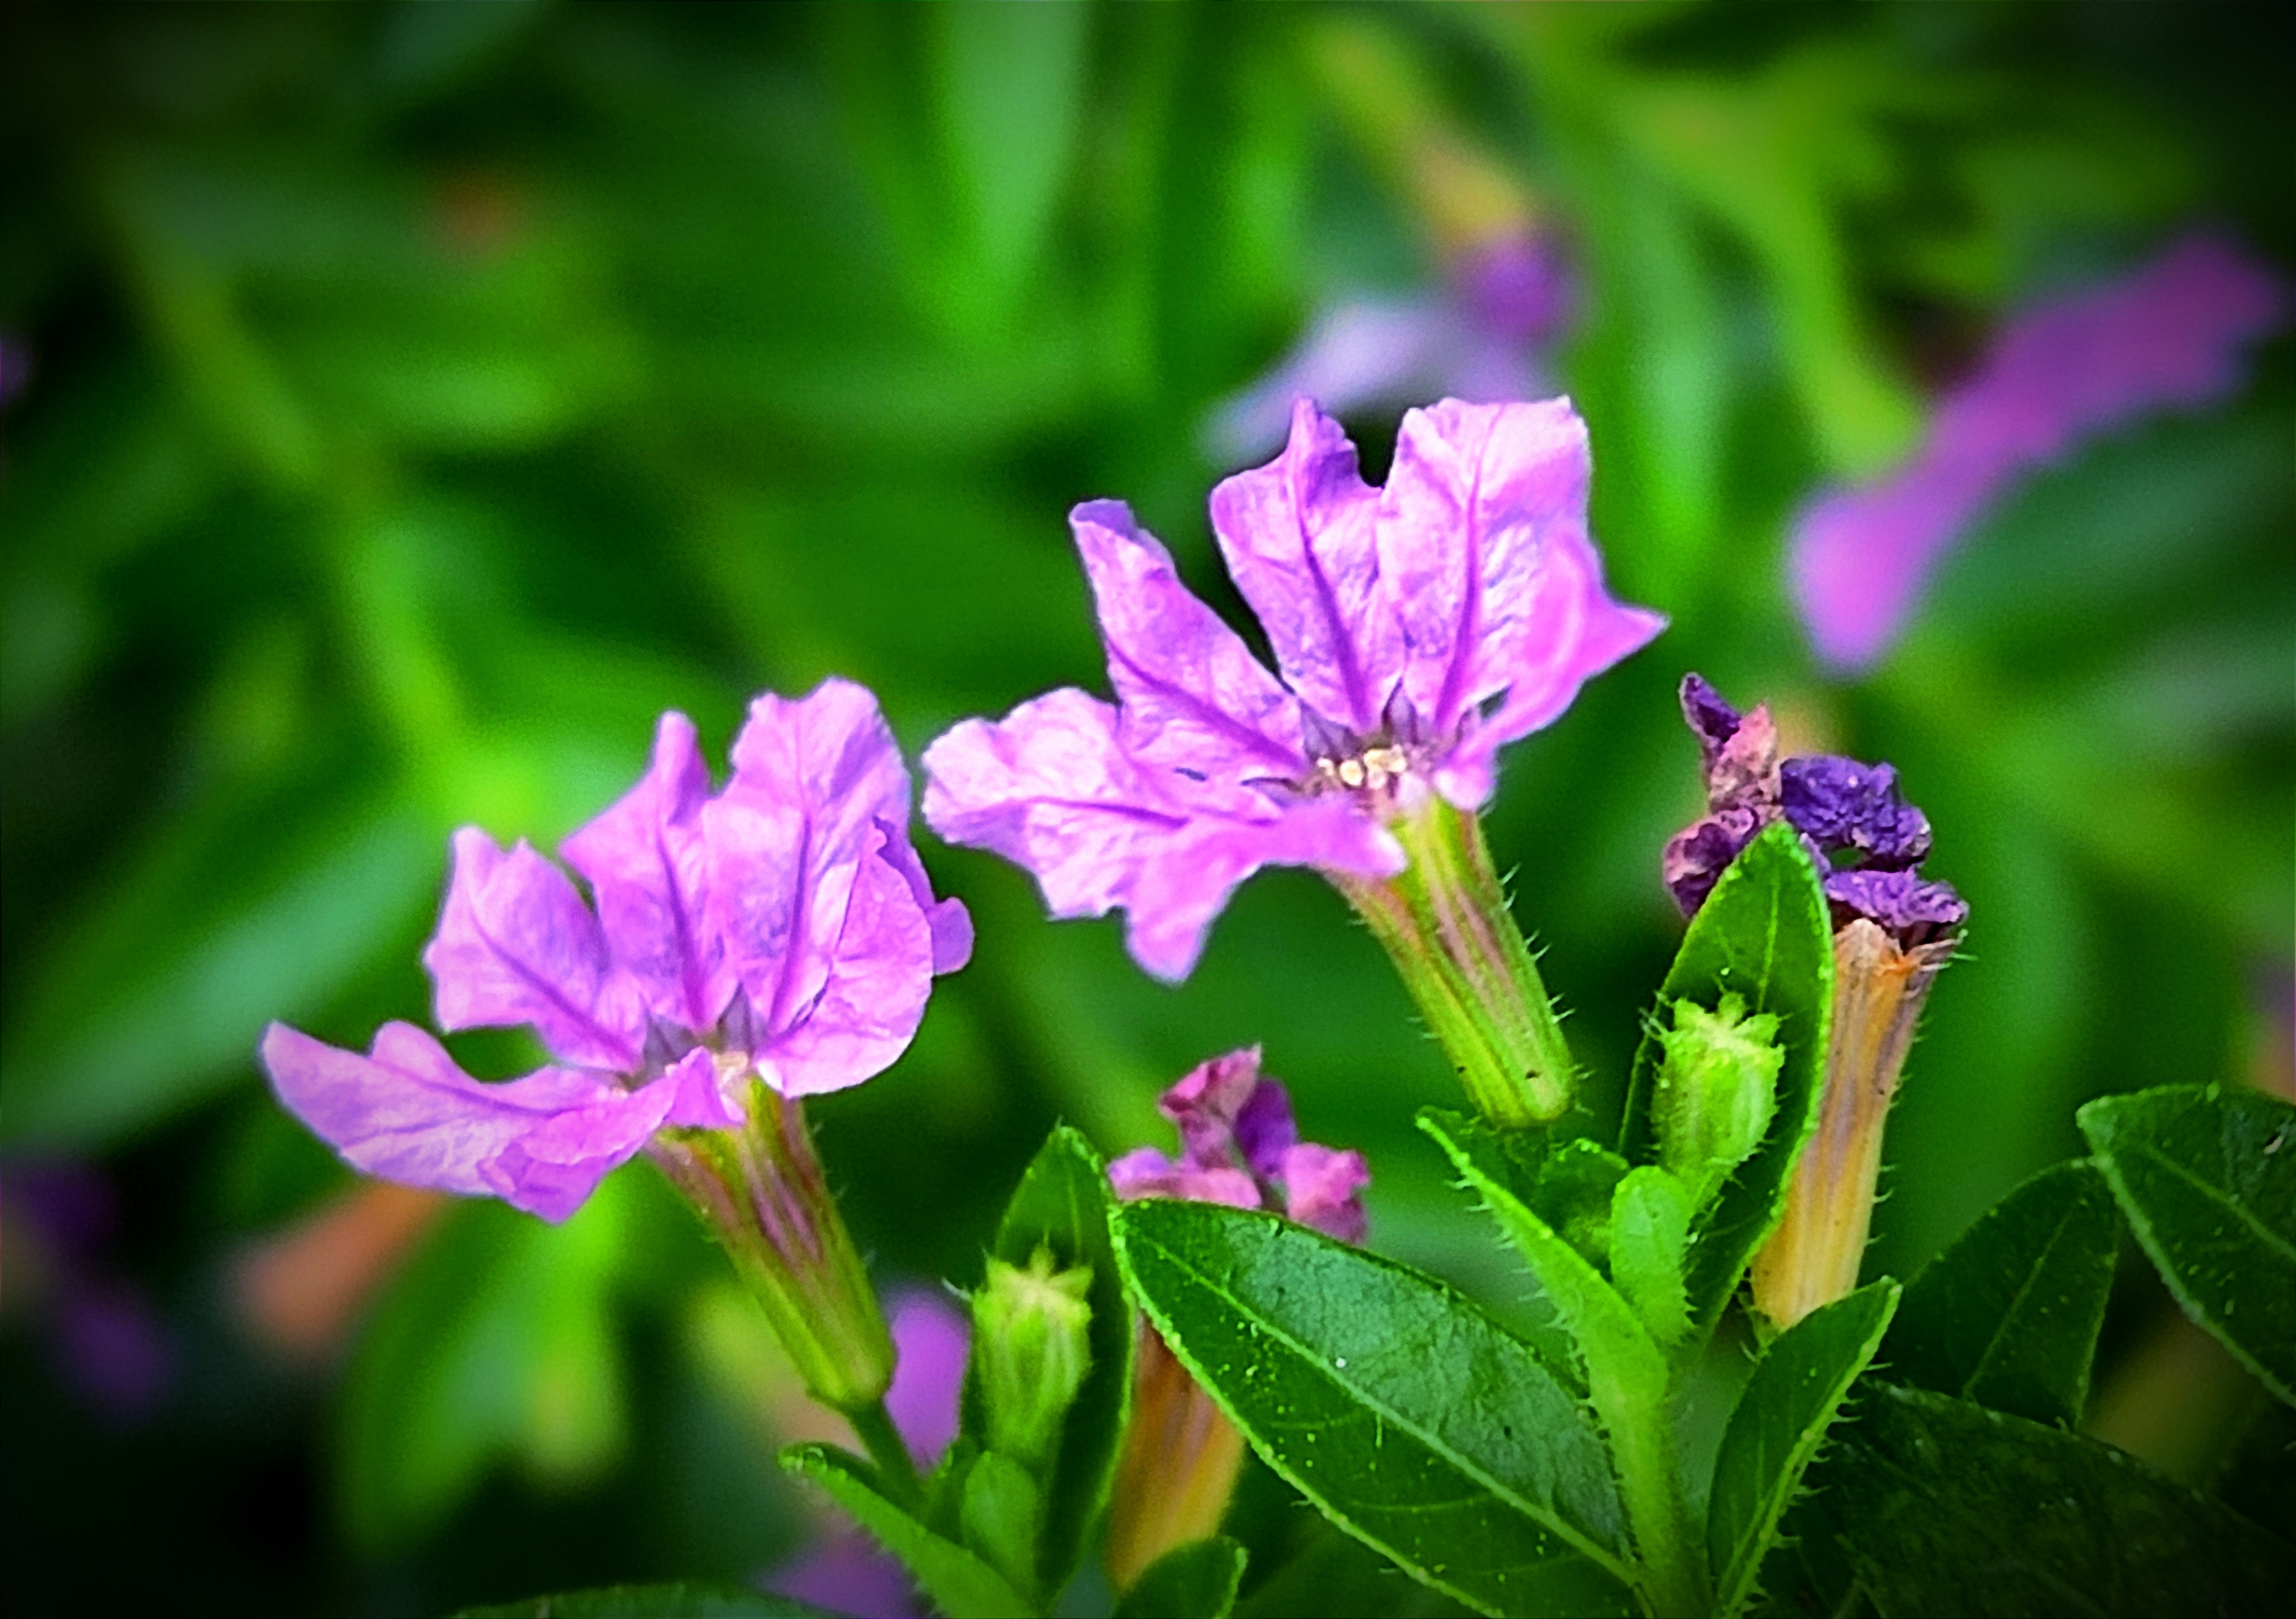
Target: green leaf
{"x":1650,"y":1234}
{"x":1197,"y":1580}
{"x":1392,"y":1403}
{"x":2008,"y":1315}
{"x":2208,"y":1178}
{"x":1001,"y":1510}
{"x":1763,"y":934}
{"x":1625,"y":1366}
{"x":676,"y":1601}
{"x":1945,"y":1508}
{"x":960,"y":1583}
{"x":1063,"y":1203}
{"x":1781,"y":1420}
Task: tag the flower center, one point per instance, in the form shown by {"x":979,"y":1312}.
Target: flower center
{"x":1372,"y":771}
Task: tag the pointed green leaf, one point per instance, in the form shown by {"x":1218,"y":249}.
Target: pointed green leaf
{"x":1763,"y":934}
{"x":676,"y":1601}
{"x":1781,"y":1420}
{"x":2008,"y":1315}
{"x":1000,"y":1512}
{"x":2208,"y":1178}
{"x":1197,"y":1580}
{"x":1392,"y":1403}
{"x":961,"y":1584}
{"x":1625,"y":1366}
{"x":1650,"y":1234}
{"x":1945,"y":1508}
{"x":1063,"y":1203}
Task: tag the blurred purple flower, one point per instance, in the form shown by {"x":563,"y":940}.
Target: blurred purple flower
{"x":109,"y":1342}
{"x":843,"y":1569}
{"x":1479,"y":339}
{"x":1418,"y":628}
{"x":783,"y":928}
{"x":2059,"y":374}
{"x":1846,"y":811}
{"x":1239,"y":1147}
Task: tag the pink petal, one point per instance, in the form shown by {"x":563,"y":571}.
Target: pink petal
{"x":1193,"y":696}
{"x":698,"y":1093}
{"x":1478,"y":495}
{"x":1147,"y":1173}
{"x":407,"y":1113}
{"x":516,"y":944}
{"x":1300,"y":539}
{"x":1323,"y":1186}
{"x":930,"y":1339}
{"x":646,"y":862}
{"x":881,"y":969}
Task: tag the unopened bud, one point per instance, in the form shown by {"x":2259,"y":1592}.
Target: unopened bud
{"x":1029,"y":1327}
{"x":1718,"y":1088}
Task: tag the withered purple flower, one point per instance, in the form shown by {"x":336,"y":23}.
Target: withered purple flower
{"x":1416,"y":628}
{"x":1866,"y":839}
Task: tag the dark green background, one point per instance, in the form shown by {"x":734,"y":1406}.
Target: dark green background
{"x":422,"y":397}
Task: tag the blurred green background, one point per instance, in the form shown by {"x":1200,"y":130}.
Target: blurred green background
{"x":405,"y":403}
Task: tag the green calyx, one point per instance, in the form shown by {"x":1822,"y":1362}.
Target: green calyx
{"x":1030,"y":1325}
{"x":1718,"y":1085}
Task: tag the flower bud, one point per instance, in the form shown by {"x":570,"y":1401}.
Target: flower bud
{"x":1029,"y":1326}
{"x":1718,"y":1085}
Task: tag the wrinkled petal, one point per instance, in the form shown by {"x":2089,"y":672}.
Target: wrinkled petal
{"x":1696,"y":857}
{"x":648,"y":865}
{"x":407,"y":1113}
{"x":1909,"y":907}
{"x":1843,"y":806}
{"x":1576,"y":632}
{"x":1300,"y":538}
{"x":1206,"y":1103}
{"x":950,"y":922}
{"x":1708,"y":715}
{"x":1323,"y":1187}
{"x":1147,"y":1173}
{"x":698,"y":1098}
{"x":1052,"y":790}
{"x":1477,"y":497}
{"x":516,"y":944}
{"x":1183,"y":881}
{"x":881,"y":969}
{"x":1193,"y":697}
{"x":813,"y":780}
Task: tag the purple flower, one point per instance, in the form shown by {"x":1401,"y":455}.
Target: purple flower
{"x":1846,"y":811}
{"x":1417,"y":628}
{"x":782,"y":929}
{"x":2059,"y":374}
{"x":1480,"y":338}
{"x":1239,"y":1147}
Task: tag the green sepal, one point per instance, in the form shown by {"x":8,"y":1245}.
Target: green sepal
{"x":1781,"y":1420}
{"x":1763,"y":935}
{"x":2208,"y":1179}
{"x":2007,"y":1316}
{"x":1198,"y":1581}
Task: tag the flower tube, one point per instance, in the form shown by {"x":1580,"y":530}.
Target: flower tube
{"x":744,"y":950}
{"x":1417,"y":629}
{"x":1239,"y":1147}
{"x":1893,"y":932}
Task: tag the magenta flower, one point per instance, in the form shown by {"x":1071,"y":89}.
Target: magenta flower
{"x":782,"y":930}
{"x":1239,"y":1146}
{"x":2058,"y":374}
{"x":1417,"y":629}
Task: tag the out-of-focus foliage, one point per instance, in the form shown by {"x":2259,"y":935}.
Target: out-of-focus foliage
{"x":405,"y":403}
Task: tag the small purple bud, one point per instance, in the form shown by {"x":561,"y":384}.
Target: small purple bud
{"x":1843,"y":806}
{"x":1711,"y":718}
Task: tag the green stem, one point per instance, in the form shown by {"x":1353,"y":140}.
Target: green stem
{"x":1443,"y":922}
{"x":1642,"y":1450}
{"x":896,"y":1470}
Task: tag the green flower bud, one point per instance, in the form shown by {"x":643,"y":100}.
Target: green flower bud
{"x":1030,"y":1351}
{"x":1717,"y":1087}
